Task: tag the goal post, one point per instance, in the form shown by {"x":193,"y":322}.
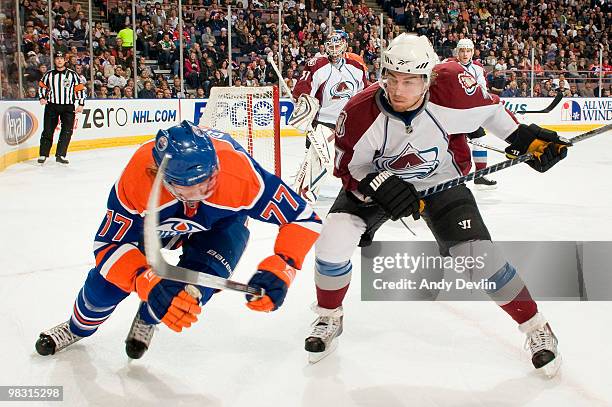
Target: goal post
{"x":251,"y":115}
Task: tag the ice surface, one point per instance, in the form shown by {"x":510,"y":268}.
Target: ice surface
{"x":391,"y":353}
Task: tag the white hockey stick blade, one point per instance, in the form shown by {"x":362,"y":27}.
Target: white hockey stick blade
{"x":176,"y":273}
{"x":315,"y":357}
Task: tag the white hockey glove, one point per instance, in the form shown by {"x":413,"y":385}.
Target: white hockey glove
{"x":304,"y":112}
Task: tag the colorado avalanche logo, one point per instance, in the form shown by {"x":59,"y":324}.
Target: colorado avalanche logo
{"x":468,"y":83}
{"x":175,"y":226}
{"x":410,"y":163}
{"x":342,"y":90}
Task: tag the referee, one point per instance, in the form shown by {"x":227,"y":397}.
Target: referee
{"x":58,"y":90}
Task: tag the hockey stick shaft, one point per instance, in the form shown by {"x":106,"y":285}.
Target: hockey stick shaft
{"x":281,"y":80}
{"x":548,"y":108}
{"x":176,"y":273}
{"x":502,"y":165}
{"x":573,"y":140}
{"x":477,"y":174}
{"x":488,"y":147}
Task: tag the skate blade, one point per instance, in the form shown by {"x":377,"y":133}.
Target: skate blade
{"x":552,"y":368}
{"x":315,"y":357}
{"x":481,"y":187}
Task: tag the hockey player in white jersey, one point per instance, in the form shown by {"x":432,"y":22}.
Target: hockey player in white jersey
{"x":465,"y":54}
{"x":326,"y":85}
{"x":391,"y":142}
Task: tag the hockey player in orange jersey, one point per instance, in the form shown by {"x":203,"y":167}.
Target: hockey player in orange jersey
{"x":210,"y":187}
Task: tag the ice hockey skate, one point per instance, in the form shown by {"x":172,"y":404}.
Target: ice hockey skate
{"x":542,"y":343}
{"x":326,"y":329}
{"x":56,"y":339}
{"x":485,"y":184}
{"x":139,"y":337}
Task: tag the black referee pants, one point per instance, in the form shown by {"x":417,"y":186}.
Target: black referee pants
{"x":53,"y":113}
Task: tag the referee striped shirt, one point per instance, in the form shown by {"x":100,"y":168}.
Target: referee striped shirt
{"x":61,"y":87}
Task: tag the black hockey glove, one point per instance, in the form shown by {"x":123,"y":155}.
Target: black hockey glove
{"x":545,"y":145}
{"x":397,"y":197}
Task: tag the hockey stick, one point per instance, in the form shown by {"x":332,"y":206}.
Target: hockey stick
{"x":281,"y":80}
{"x":573,"y":140}
{"x":488,"y":147}
{"x":502,"y":165}
{"x":176,"y":273}
{"x":550,"y":107}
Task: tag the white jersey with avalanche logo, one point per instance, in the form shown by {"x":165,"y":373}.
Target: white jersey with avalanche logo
{"x":476,"y":70}
{"x":371,"y":137}
{"x":332,"y":84}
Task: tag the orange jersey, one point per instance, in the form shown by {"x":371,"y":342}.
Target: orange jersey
{"x":357,"y":58}
{"x":243,"y":189}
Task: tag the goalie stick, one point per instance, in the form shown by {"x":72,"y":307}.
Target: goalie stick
{"x":165,"y":270}
{"x":503,"y":165}
{"x":280,"y":76}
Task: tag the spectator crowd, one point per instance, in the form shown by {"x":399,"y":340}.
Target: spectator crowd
{"x":560,"y":41}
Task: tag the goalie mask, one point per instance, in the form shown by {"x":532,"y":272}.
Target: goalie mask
{"x":336,"y":44}
{"x":193,"y":165}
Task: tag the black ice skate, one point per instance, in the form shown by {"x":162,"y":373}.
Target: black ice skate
{"x":139,"y":337}
{"x":326,"y":329}
{"x":41,"y":159}
{"x":56,"y":339}
{"x":484,"y":183}
{"x":542,"y":343}
{"x":61,"y":160}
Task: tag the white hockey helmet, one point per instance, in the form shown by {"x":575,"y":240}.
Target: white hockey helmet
{"x":409,"y":53}
{"x":465,"y":43}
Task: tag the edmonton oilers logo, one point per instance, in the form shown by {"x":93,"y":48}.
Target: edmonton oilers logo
{"x":19,"y":125}
{"x":162,"y":143}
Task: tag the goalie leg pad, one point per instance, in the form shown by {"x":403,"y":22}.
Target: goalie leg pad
{"x":310,"y":176}
{"x":322,"y":140}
